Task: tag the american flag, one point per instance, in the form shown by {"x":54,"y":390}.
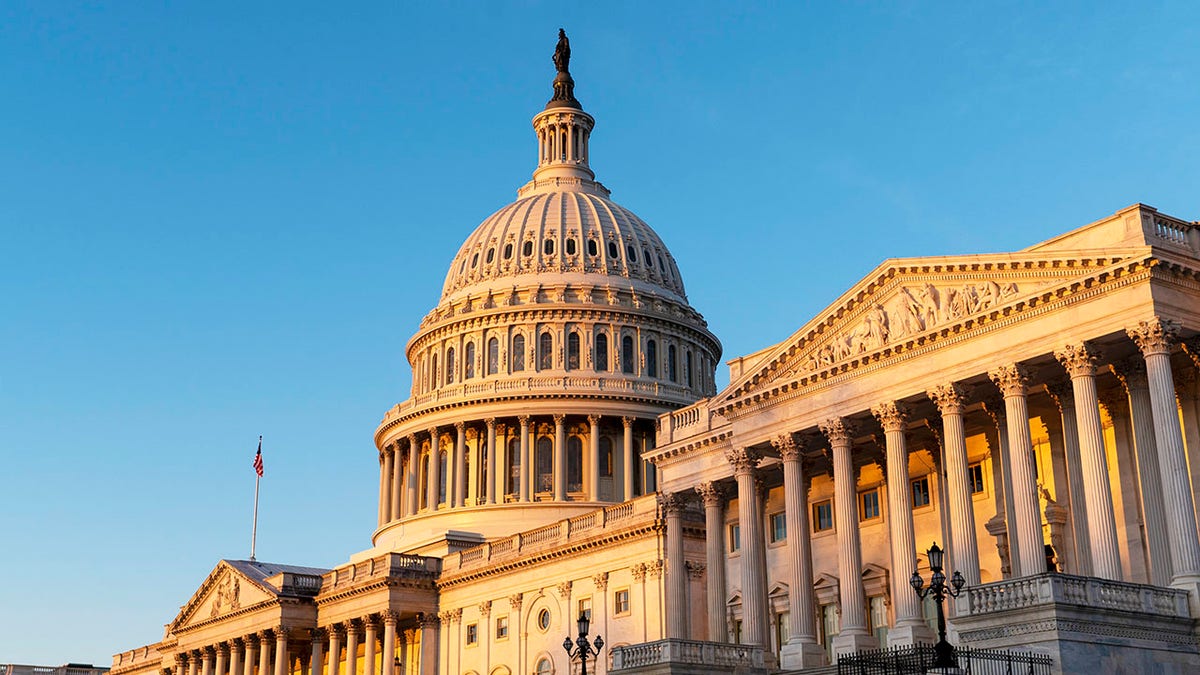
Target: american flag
{"x":258,"y":465}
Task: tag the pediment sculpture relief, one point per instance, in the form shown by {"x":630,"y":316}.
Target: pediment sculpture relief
{"x":913,"y":310}
{"x":226,"y":596}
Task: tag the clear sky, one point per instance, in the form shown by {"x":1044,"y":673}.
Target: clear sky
{"x":220,"y":220}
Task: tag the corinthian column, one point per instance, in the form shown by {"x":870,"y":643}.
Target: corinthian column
{"x":389,"y":642}
{"x":458,"y":487}
{"x":414,"y":468}
{"x":264,"y":653}
{"x":853,"y":636}
{"x":317,"y":635}
{"x":909,"y":626}
{"x":282,"y":660}
{"x":754,"y":583}
{"x":673,"y":505}
{"x":560,"y":458}
{"x":491,"y":461}
{"x":434,"y":489}
{"x":385,"y":491}
{"x":353,"y":632}
{"x":237,"y":656}
{"x":429,"y":644}
{"x":950,"y":399}
{"x":801,"y":649}
{"x":397,"y":481}
{"x":251,"y":642}
{"x":1064,"y":397}
{"x":206,"y":661}
{"x":526,"y":458}
{"x":222,"y":659}
{"x":335,"y":649}
{"x":593,"y":474}
{"x":1013,"y":380}
{"x":1132,"y":374}
{"x":370,"y":644}
{"x":1154,"y":339}
{"x":713,"y":495}
{"x":627,"y":456}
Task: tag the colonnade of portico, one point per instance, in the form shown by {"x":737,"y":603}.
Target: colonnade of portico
{"x":370,"y":645}
{"x":523,"y":458}
{"x":1069,"y":395}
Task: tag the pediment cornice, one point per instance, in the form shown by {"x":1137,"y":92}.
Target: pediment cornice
{"x":225,"y":593}
{"x":915,"y":305}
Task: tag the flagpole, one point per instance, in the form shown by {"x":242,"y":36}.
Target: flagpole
{"x":254,"y":527}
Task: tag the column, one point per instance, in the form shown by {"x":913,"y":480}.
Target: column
{"x":593,"y":465}
{"x":429,"y":644}
{"x":853,"y":635}
{"x":1189,"y":404}
{"x":1013,"y":380}
{"x":950,"y":399}
{"x":385,"y":486}
{"x":193,"y":662}
{"x":1154,"y":339}
{"x":673,"y":505}
{"x":335,"y":649}
{"x":1132,"y":374}
{"x":1002,"y":477}
{"x":713,"y":495}
{"x":627,"y":458}
{"x":1064,"y":397}
{"x":237,"y":653}
{"x":206,"y":661}
{"x":433,"y":490}
{"x":389,"y":642}
{"x":1080,"y":364}
{"x":526,"y":458}
{"x":316,"y":655}
{"x":397,"y":481}
{"x":754,"y":584}
{"x":222,"y":659}
{"x":560,"y":458}
{"x":251,"y":642}
{"x":801,"y":649}
{"x":353,"y":633}
{"x":370,"y":644}
{"x":414,"y":471}
{"x":281,"y":651}
{"x":491,"y":460}
{"x":909,"y":626}
{"x":456,"y":468}
{"x":264,"y":653}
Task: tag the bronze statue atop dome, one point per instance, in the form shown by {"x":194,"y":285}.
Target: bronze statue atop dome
{"x":562,"y":52}
{"x":564,"y":86}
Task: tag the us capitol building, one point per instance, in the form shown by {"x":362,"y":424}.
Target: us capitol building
{"x":564,"y":451}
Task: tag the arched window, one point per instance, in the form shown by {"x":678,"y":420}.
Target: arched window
{"x":469,"y":366}
{"x":433,"y":372}
{"x":688,"y":367}
{"x":493,"y":356}
{"x":514,"y":466}
{"x":574,"y":464}
{"x":627,"y":355}
{"x":651,"y":358}
{"x":543,"y":665}
{"x":423,"y":493}
{"x":545,"y":465}
{"x":631,"y":252}
{"x":450,"y":366}
{"x":573,"y":351}
{"x":442,"y":478}
{"x":602,"y":353}
{"x":606,"y":457}
{"x":672,"y":367}
{"x":518,"y":353}
{"x":545,"y":352}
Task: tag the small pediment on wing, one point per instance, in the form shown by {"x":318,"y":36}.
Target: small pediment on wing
{"x":225,"y":591}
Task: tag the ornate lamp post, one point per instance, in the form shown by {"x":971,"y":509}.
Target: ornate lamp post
{"x":943,"y":651}
{"x":581,"y":647}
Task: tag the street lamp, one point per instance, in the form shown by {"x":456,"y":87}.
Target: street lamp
{"x":943,"y":652}
{"x":581,"y":647}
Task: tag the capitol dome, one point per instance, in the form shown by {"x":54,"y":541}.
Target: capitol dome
{"x":562,"y":332}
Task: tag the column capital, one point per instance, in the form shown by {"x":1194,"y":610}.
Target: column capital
{"x":337,"y":630}
{"x":514,"y":601}
{"x":223,"y":648}
{"x":460,"y":426}
{"x":839,"y":430}
{"x":564,"y":589}
{"x":743,"y":460}
{"x":559,"y":418}
{"x":433,"y":432}
{"x":281,"y":631}
{"x":600,"y":581}
{"x":628,"y":421}
{"x":892,"y":415}
{"x":950,"y":398}
{"x":787,"y":446}
{"x":265,"y":636}
{"x":208,"y":652}
{"x":428,"y":620}
{"x":485,"y":608}
{"x":523,"y":420}
{"x":1012,"y":379}
{"x":593,"y":420}
{"x":1132,"y":373}
{"x":390,"y":617}
{"x":673,"y":502}
{"x":1154,"y":336}
{"x":413,"y":443}
{"x":1078,"y":360}
{"x":354,"y":627}
{"x":238,"y":645}
{"x":318,"y":634}
{"x":639,"y":571}
{"x":382,"y":455}
{"x":712,"y":493}
{"x":1063,"y":395}
{"x":490,"y":423}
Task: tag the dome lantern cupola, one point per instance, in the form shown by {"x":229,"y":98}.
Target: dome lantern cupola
{"x":563,"y":130}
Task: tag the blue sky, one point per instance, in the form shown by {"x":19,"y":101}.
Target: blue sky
{"x":220,"y":220}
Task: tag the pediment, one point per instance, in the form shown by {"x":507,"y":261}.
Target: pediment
{"x":225,"y":591}
{"x":916,"y":299}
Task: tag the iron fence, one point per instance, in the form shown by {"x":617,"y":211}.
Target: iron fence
{"x":919,"y":659}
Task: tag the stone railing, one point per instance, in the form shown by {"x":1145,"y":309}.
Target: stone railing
{"x":520,"y":545}
{"x":1163,"y":230}
{"x":694,"y":420}
{"x":386,"y":565}
{"x":134,"y":659}
{"x":1048,"y":589}
{"x":692,"y":652}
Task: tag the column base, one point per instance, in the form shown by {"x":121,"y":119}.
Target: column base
{"x":798,"y":655}
{"x":910,"y":634}
{"x":1191,"y":584}
{"x":848,"y":643}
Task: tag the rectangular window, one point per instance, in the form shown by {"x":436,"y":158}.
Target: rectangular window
{"x":585,"y":608}
{"x":822,"y":516}
{"x":472,"y":633}
{"x":829,"y":629}
{"x":877,"y":604}
{"x":735,"y":538}
{"x":501,"y":627}
{"x":781,"y":630}
{"x":737,"y":631}
{"x":868,"y":505}
{"x":778,"y":527}
{"x":621,"y":602}
{"x":920,"y":492}
{"x":975,"y":478}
